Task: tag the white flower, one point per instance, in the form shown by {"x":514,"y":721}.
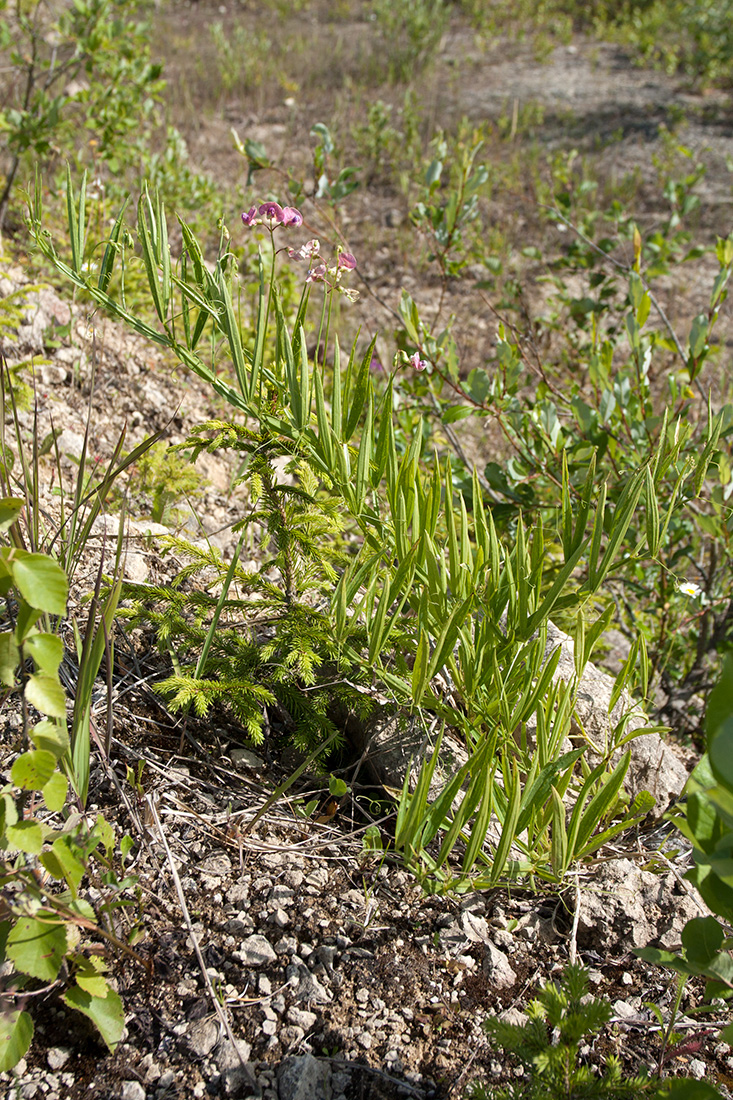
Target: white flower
{"x":687,"y":588}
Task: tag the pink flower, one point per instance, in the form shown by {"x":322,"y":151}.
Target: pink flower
{"x":250,"y":218}
{"x":311,"y":248}
{"x":347,"y":261}
{"x":416,"y":362}
{"x":291,"y":216}
{"x":273,"y":211}
{"x":317,"y":274}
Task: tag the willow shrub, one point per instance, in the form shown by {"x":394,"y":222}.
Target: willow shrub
{"x":378,"y":575}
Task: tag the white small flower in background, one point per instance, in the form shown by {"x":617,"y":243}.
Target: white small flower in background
{"x":687,"y":588}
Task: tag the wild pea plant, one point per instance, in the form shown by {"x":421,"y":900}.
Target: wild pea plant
{"x":603,"y":372}
{"x":377,"y":571}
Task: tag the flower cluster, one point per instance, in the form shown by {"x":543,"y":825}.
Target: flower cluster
{"x":272,"y":214}
{"x":320,"y":272}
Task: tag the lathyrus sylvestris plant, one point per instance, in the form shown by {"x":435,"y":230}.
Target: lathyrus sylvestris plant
{"x":424,"y":603}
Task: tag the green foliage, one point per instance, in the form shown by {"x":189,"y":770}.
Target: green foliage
{"x":548,"y":1049}
{"x":430,"y":605}
{"x":87,"y":66}
{"x":409,"y":34}
{"x":708,"y":824}
{"x":595,"y":397}
{"x":40,"y":930}
{"x":163,"y":478}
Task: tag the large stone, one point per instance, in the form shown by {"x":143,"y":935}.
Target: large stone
{"x":257,"y":951}
{"x":625,"y":907}
{"x":238,"y":1077}
{"x":304,"y":1078}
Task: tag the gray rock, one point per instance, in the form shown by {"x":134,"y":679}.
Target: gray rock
{"x":244,"y":758}
{"x":304,"y":1078}
{"x":51,"y":374}
{"x":305,"y":986}
{"x":301,"y":1018}
{"x":499,"y":973}
{"x":238,"y":1076}
{"x":133,"y":1090}
{"x":217,"y":865}
{"x":57,"y":1057}
{"x":625,"y":907}
{"x":202,"y":1036}
{"x":257,"y":951}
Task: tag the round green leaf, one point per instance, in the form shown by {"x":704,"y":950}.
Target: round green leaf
{"x":46,"y":694}
{"x":16,"y":1032}
{"x":37,"y":946}
{"x":104,"y":1012}
{"x":41,"y":582}
{"x":9,"y":658}
{"x":47,"y":651}
{"x":54,"y":792}
{"x":33,"y":769}
{"x":25,"y":836}
{"x":51,"y":736}
{"x":10,"y":509}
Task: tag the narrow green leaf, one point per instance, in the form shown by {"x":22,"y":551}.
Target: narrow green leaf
{"x":145,"y":232}
{"x":622,"y":517}
{"x":509,"y":826}
{"x":543,"y":611}
{"x":364,"y":458}
{"x":420,"y":667}
{"x":566,"y":510}
{"x":600,"y":804}
{"x":230,"y":327}
{"x":595,"y":548}
{"x":362,"y":388}
{"x":110,"y":252}
{"x":652,"y":514}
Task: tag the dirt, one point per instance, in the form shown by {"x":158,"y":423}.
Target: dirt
{"x":386,"y":987}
